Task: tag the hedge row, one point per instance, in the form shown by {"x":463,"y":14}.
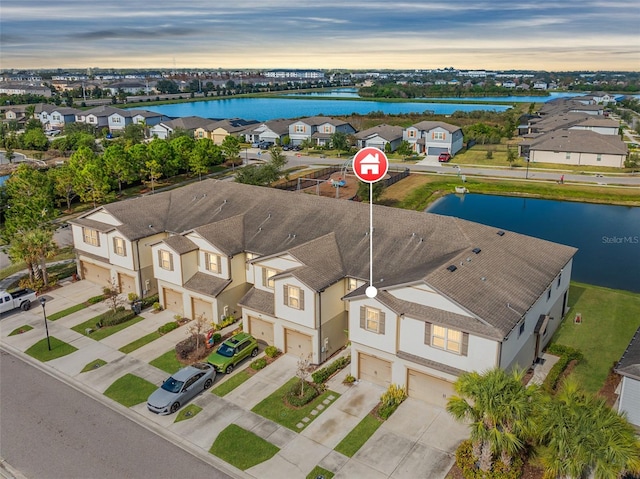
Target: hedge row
{"x":321,"y":375}
{"x":566,"y":354}
{"x":111,"y":319}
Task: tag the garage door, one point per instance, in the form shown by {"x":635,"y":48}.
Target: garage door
{"x":374,"y":370}
{"x":127,"y":283}
{"x":203,"y":308}
{"x":428,"y":388}
{"x":435,"y":151}
{"x":297,"y":343}
{"x":96,"y":274}
{"x":173,"y":301}
{"x":261,"y":330}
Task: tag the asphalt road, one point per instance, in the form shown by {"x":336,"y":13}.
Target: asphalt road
{"x":50,"y":430}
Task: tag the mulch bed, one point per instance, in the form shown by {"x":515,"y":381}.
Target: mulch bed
{"x":608,"y":391}
{"x":529,"y":472}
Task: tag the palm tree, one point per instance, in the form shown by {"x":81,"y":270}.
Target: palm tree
{"x":500,"y":410}
{"x":581,"y":435}
{"x":33,"y":247}
{"x":45,"y":248}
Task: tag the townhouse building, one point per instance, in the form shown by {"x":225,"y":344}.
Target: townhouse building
{"x":434,"y":137}
{"x":453,"y":295}
{"x":317,"y":129}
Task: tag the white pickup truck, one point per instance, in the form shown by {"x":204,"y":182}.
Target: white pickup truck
{"x":20,"y":298}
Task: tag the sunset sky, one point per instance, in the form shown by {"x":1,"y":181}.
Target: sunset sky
{"x":558,"y":35}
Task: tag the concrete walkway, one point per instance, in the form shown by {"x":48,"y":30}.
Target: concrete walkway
{"x":417,"y":440}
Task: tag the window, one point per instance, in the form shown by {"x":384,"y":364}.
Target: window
{"x":299,"y":129}
{"x":250,"y":256}
{"x":293,"y":297}
{"x":119,"y":247}
{"x":90,"y":236}
{"x":438,"y":135}
{"x":549,"y":294}
{"x":521,"y":330}
{"x":327,"y":128}
{"x":567,"y":156}
{"x":599,"y":158}
{"x":559,"y":280}
{"x":165,"y":259}
{"x":411,"y":133}
{"x":212,"y":262}
{"x":267,"y":274}
{"x":372,"y":319}
{"x":352,"y":284}
{"x":116,"y":119}
{"x":447,"y":339}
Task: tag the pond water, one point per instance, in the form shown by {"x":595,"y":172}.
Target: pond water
{"x":608,"y":237}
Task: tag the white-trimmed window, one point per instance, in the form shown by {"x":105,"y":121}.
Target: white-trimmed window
{"x":352,"y":284}
{"x":567,"y":156}
{"x":411,"y":133}
{"x":447,"y":339}
{"x":119,"y":247}
{"x":372,"y":319}
{"x":267,"y":275}
{"x":212,"y":262}
{"x":438,"y":135}
{"x":250,"y":257}
{"x":165,"y":259}
{"x":327,"y":129}
{"x":598,"y":157}
{"x":293,"y":297}
{"x":299,"y":128}
{"x":91,"y":236}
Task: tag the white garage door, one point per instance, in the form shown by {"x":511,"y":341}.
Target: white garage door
{"x":261,"y":330}
{"x":297,"y":343}
{"x":200,"y":307}
{"x":429,"y":388}
{"x":374,"y":370}
{"x":127,"y":283}
{"x":96,"y":274}
{"x":173,"y":301}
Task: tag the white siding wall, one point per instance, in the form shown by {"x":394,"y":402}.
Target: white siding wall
{"x":616,"y":161}
{"x":189,"y":265}
{"x":383,"y":342}
{"x":422,"y":294}
{"x":305,"y":317}
{"x":104,"y":217}
{"x":482,"y":353}
{"x":78,"y":241}
{"x":174,"y":277}
{"x":630,"y":400}
{"x":123,"y":261}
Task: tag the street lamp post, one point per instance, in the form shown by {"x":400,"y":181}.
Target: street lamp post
{"x":527,"y":174}
{"x":246,"y":156}
{"x":43,"y":300}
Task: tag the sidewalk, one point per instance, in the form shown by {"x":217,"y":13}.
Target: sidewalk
{"x":417,"y":439}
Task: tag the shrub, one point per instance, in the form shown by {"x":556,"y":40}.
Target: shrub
{"x":467,"y":463}
{"x":296,"y":399}
{"x":259,"y":364}
{"x":95,"y":299}
{"x":391,"y":399}
{"x":349,"y":379}
{"x":217,"y":337}
{"x":185,"y":348}
{"x":321,"y":375}
{"x":165,"y":328}
{"x":489,"y":154}
{"x":111,"y":318}
{"x":567,"y":354}
{"x":149,"y":300}
{"x":157,"y":306}
{"x":132,"y":297}
{"x":271,"y":351}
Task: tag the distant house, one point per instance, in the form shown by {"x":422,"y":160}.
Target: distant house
{"x":128,"y":86}
{"x":218,"y":130}
{"x":272,"y":131}
{"x":629,"y":369}
{"x":318,"y":129}
{"x":55,"y":117}
{"x":105,"y":116}
{"x":24,"y":89}
{"x":164,"y":129}
{"x":434,"y":137}
{"x":148,"y":118}
{"x":540,"y":85}
{"x":576,"y":147}
{"x":604,"y":126}
{"x":16,"y":113}
{"x":379,"y":137}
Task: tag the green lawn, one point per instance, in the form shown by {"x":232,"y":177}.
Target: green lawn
{"x":102,"y":333}
{"x":609,"y":320}
{"x":273,"y":407}
{"x":138,"y":343}
{"x":20,"y":330}
{"x":231,"y":383}
{"x":187,"y":412}
{"x":168,"y":362}
{"x":130,"y":390}
{"x":358,"y":435}
{"x":241,"y":448}
{"x":93,"y":365}
{"x":40,"y":350}
{"x":67,"y":312}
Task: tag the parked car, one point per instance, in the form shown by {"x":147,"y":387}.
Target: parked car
{"x":255,"y":144}
{"x":20,"y":298}
{"x":444,"y":157}
{"x":232,"y":351}
{"x":181,"y":387}
{"x":265,"y":145}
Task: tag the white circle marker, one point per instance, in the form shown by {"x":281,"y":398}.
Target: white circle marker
{"x":371,"y":292}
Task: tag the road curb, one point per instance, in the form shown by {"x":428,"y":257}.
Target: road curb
{"x":135,"y":417}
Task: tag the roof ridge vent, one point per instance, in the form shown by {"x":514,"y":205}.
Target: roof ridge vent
{"x":500,"y":233}
{"x":452,"y":267}
{"x":476,"y":250}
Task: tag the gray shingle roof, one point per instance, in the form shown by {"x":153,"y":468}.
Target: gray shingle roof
{"x":629,"y":364}
{"x":388,"y":132}
{"x":580,"y":141}
{"x":96,"y":225}
{"x":258,"y":300}
{"x":430,"y":125}
{"x":180,"y":244}
{"x":331,"y":238}
{"x":206,"y":284}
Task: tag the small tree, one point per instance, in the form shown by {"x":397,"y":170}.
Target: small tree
{"x":512,"y":156}
{"x":197,"y":328}
{"x":303,"y":369}
{"x":111,"y":294}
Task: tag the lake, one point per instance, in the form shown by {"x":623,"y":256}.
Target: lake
{"x":608,"y":237}
{"x":264,"y":109}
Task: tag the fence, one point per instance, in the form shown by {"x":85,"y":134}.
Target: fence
{"x":323,"y":174}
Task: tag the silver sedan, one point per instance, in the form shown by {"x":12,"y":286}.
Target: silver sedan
{"x":181,"y":387}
